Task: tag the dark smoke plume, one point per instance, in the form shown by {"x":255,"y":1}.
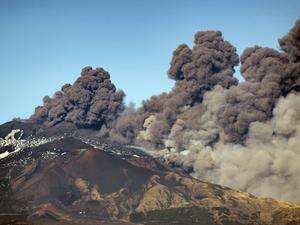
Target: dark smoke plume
{"x":268,"y":75}
{"x":211,"y":62}
{"x":264,"y":70}
{"x":242,"y":135}
{"x":290,"y":43}
{"x":92,"y":101}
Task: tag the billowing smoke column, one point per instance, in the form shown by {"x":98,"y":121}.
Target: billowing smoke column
{"x":262,"y":114}
{"x":291,"y":42}
{"x":92,"y":101}
{"x":267,"y":165}
{"x":242,"y":135}
{"x":211,"y":62}
{"x":268,"y":75}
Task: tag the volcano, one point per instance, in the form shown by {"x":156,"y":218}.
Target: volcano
{"x":53,"y":177}
{"x":84,"y":157}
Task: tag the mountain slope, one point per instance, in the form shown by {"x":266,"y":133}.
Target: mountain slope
{"x":68,"y":179}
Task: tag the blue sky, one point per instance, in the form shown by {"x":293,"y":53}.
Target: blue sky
{"x":44,"y":44}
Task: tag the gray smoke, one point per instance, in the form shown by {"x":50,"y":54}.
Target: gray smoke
{"x":209,"y":63}
{"x":91,"y":102}
{"x":245,"y":135}
{"x":268,"y":75}
{"x":290,"y":43}
{"x":267,"y":165}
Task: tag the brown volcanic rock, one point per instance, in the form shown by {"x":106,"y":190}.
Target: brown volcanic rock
{"x":81,"y":184}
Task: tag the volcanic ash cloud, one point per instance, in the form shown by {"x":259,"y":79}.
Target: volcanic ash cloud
{"x":242,"y":135}
{"x":267,"y":165}
{"x":91,"y":102}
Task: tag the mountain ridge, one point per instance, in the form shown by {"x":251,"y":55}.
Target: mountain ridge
{"x":69,"y":181}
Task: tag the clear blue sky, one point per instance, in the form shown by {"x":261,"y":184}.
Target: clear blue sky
{"x":44,"y":44}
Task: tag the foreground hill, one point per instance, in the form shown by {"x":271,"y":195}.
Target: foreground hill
{"x":64,"y":178}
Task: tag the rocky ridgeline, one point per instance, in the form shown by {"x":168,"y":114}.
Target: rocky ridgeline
{"x":13,"y":143}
